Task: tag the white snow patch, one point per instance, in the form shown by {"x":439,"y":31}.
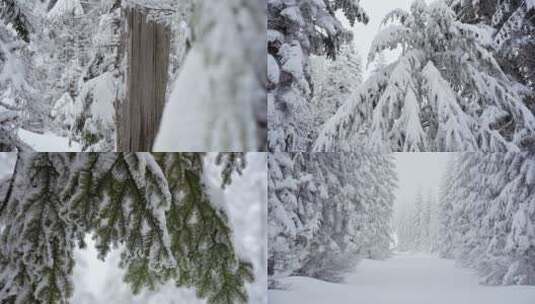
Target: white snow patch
{"x":48,"y":142}
{"x":416,"y":279}
{"x":104,"y":93}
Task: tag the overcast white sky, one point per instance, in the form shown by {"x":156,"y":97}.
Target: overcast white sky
{"x":418,"y":170}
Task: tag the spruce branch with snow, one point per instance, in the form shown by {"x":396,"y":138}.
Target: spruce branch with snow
{"x":154,"y":206}
{"x":514,"y":28}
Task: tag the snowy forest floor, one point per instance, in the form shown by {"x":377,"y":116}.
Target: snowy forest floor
{"x":48,"y":142}
{"x":402,"y":279}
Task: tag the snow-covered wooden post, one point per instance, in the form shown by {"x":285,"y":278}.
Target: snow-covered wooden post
{"x":147,"y":51}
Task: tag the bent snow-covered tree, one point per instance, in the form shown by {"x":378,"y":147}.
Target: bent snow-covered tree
{"x":446,"y":91}
{"x":155,"y":206}
{"x":296,"y":30}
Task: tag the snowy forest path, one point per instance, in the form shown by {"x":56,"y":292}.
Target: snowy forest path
{"x":402,"y":279}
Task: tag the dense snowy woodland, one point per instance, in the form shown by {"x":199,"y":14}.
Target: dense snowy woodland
{"x":132,"y":75}
{"x":325,"y":210}
{"x":417,"y":224}
{"x":336,"y":231}
{"x":488,"y":222}
{"x":167,"y":220}
{"x":464,"y":79}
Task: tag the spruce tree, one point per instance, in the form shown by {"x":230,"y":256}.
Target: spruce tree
{"x":445,"y":210}
{"x":336,"y":81}
{"x":446,"y":91}
{"x":97,"y":84}
{"x":18,"y":106}
{"x":487,"y":219}
{"x":417,"y":224}
{"x":326,"y":210}
{"x":513,"y":27}
{"x":154,"y":205}
{"x":296,"y":30}
{"x":417,"y":221}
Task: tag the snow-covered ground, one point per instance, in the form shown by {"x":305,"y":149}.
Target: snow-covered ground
{"x":48,"y":142}
{"x":402,"y":279}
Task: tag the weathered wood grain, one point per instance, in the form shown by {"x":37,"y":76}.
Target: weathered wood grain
{"x":147,"y":47}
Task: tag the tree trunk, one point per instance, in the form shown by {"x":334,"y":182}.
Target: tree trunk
{"x":147,"y":66}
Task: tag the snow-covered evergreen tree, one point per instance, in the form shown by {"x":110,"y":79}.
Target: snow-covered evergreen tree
{"x":53,"y":48}
{"x":487,"y":216}
{"x":416,"y":224}
{"x":155,"y":205}
{"x":426,"y":224}
{"x":325,"y":210}
{"x":333,"y":81}
{"x":434,"y":224}
{"x":402,"y":229}
{"x":514,"y":27}
{"x":19,"y":104}
{"x":445,"y":236}
{"x":446,"y":91}
{"x":98,"y":87}
{"x":417,"y":221}
{"x":296,"y":30}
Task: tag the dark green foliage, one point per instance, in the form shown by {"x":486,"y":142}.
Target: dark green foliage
{"x":139,"y":275}
{"x":202,"y":234}
{"x":33,"y":220}
{"x":231,"y":162}
{"x":155,"y":206}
